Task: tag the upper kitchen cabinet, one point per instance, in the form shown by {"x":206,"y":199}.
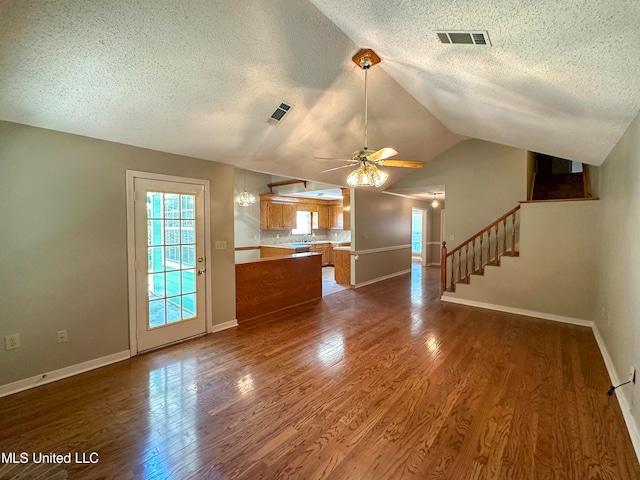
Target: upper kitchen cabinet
{"x":335,"y":217}
{"x":275,"y":215}
{"x":346,"y":209}
{"x":279,"y":212}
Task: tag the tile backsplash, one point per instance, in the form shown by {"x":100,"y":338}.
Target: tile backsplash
{"x":273,"y":237}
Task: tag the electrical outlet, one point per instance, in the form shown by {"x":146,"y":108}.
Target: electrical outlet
{"x":61,"y":336}
{"x":12,"y":341}
{"x":632,"y":374}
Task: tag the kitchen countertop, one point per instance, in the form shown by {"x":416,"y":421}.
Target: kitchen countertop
{"x":282,"y":257}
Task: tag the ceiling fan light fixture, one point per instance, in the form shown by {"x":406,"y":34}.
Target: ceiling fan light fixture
{"x":367,"y":175}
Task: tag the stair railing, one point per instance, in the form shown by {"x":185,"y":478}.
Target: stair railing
{"x":456,"y":270}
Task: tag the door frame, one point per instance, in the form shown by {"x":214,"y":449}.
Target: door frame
{"x":132,"y":175}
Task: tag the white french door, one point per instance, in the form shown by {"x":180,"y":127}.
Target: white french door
{"x":170,"y":262}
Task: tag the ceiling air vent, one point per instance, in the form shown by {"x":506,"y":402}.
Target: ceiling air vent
{"x":278,"y":115}
{"x":461,"y":37}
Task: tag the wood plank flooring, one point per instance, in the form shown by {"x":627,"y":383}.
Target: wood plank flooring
{"x":382,"y":382}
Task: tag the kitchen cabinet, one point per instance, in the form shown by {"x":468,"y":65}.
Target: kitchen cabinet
{"x":346,"y":209}
{"x":342,"y":264}
{"x":335,"y":217}
{"x":278,"y":212}
{"x":323,"y":217}
{"x":307,"y":207}
{"x":326,"y":249}
{"x":277,"y":216}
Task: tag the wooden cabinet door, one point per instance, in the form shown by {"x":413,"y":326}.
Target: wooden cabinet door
{"x":289,"y":215}
{"x":335,"y":217}
{"x":275,"y":216}
{"x":346,"y":209}
{"x":264,"y":215}
{"x":329,"y":254}
{"x":323,"y":216}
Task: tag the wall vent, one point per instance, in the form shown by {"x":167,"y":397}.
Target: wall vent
{"x":462,"y":37}
{"x":278,"y":115}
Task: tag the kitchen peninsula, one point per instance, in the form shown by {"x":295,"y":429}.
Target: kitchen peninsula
{"x":272,"y":283}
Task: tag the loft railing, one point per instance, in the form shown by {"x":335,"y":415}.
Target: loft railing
{"x":475,"y":252}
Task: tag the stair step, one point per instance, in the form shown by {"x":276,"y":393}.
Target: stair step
{"x":480,"y":271}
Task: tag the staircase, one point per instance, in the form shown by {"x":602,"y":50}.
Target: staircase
{"x":485,"y":248}
{"x":556,"y":179}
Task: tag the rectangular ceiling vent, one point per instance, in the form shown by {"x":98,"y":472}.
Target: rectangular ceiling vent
{"x":278,"y":115}
{"x":461,"y":37}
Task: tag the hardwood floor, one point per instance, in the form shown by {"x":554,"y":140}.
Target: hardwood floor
{"x":382,"y":382}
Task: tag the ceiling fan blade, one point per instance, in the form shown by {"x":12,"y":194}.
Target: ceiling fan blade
{"x":382,"y":154}
{"x":337,"y":168}
{"x":336,"y":158}
{"x":401,"y":163}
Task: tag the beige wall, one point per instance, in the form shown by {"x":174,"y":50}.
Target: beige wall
{"x":483,"y":181}
{"x":63,"y":250}
{"x":247,"y":219}
{"x":434,"y":234}
{"x":380,"y":220}
{"x":555,"y":273}
{"x":618,"y":302}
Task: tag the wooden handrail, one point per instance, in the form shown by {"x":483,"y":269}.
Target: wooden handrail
{"x":463,"y":251}
{"x":485,"y":230}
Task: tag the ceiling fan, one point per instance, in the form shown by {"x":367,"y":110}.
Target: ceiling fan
{"x":367,"y":173}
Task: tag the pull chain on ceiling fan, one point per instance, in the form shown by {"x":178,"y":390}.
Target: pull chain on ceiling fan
{"x":367,"y":173}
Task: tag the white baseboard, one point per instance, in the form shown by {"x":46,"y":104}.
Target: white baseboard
{"x":434,"y":264}
{"x":65,"y":372}
{"x":223,"y":326}
{"x":519,"y":311}
{"x":380,"y":279}
{"x":632,"y":427}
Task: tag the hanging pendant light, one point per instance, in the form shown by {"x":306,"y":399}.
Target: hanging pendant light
{"x":244,"y":198}
{"x":435,"y":203}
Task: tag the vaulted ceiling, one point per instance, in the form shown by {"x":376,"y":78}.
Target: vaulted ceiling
{"x":201,"y":78}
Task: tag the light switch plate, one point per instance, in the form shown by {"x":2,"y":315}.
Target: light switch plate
{"x":220,"y":245}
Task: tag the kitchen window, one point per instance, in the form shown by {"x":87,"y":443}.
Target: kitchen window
{"x":303,"y":223}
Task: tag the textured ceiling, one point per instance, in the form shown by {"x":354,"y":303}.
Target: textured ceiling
{"x":201,"y":78}
{"x":562,"y":77}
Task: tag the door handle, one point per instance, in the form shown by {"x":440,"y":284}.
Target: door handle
{"x":201,"y":271}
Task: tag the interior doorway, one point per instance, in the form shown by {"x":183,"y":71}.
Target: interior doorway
{"x":419,"y":235}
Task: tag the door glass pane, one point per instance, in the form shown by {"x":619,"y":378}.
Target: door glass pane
{"x":173,"y":309}
{"x":156,"y":259}
{"x":171,"y":258}
{"x":156,"y":313}
{"x":188,"y":208}
{"x":188,"y":281}
{"x":188,"y":306}
{"x":154,"y":232}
